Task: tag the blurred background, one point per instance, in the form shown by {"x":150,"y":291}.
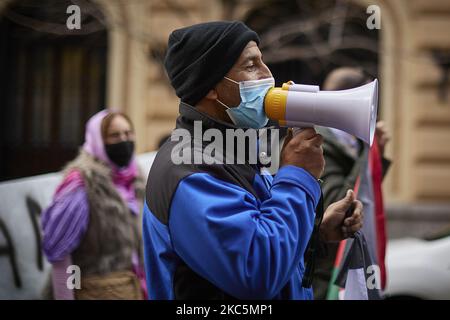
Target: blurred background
{"x":53,"y":79}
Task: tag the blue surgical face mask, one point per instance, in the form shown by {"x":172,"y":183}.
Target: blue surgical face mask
{"x":250,"y":112}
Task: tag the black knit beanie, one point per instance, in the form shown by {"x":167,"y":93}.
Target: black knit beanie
{"x":199,"y":56}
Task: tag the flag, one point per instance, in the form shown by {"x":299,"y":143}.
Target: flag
{"x":359,"y":276}
{"x":368,"y":191}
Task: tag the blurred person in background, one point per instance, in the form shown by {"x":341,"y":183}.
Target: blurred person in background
{"x":343,"y":156}
{"x":94,"y":219}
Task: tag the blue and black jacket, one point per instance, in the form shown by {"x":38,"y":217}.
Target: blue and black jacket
{"x":225,"y":231}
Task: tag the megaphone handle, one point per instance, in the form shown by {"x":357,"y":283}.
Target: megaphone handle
{"x":296,"y":130}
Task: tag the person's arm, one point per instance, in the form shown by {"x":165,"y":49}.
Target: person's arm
{"x":64,"y":224}
{"x":382,"y":138}
{"x":247,"y":248}
{"x":336,"y":180}
{"x":65,"y":221}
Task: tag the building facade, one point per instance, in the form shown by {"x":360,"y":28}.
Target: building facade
{"x":413,"y":65}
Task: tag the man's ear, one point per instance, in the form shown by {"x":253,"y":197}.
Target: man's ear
{"x":212,"y":95}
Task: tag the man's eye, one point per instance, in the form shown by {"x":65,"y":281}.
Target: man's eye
{"x":251,"y":67}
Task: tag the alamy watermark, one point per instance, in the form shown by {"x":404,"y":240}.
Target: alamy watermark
{"x":374,"y":20}
{"x":73,"y":22}
{"x":74,"y":280}
{"x":373,"y":277}
{"x":234,"y":146}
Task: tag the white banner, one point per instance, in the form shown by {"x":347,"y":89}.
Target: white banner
{"x":24,"y":270}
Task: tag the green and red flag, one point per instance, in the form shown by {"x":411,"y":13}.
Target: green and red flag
{"x":373,"y":240}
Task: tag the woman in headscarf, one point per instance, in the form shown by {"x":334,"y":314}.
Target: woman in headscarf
{"x":94,"y":219}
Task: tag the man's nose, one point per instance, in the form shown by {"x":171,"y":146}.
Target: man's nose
{"x":265,"y":72}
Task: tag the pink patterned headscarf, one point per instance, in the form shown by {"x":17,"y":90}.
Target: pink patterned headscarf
{"x":123,"y":178}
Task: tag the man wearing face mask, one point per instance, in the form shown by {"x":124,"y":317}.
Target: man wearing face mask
{"x":225,"y":231}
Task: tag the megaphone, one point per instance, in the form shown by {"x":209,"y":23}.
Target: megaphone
{"x":353,"y":110}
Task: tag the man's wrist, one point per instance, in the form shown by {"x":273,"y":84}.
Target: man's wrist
{"x":323,"y":232}
{"x":299,"y":177}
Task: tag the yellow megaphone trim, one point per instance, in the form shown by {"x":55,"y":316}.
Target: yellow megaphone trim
{"x":275,"y":102}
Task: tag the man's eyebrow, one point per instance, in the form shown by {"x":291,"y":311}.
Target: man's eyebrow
{"x":251,"y":56}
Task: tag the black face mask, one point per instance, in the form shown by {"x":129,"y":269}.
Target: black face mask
{"x":120,"y":153}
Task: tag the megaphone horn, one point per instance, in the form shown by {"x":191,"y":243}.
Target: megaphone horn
{"x":353,"y":110}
